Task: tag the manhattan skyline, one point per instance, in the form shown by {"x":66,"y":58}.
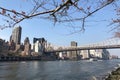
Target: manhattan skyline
{"x":96,"y":26}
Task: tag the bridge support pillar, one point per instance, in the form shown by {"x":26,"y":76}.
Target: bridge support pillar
{"x":89,"y":56}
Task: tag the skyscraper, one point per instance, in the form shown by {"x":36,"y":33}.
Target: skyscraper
{"x":27,"y":47}
{"x":39,"y":45}
{"x":16,"y":35}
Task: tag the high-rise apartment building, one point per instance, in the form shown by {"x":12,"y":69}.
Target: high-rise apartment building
{"x":27,"y":47}
{"x":95,"y":53}
{"x":84,"y":54}
{"x":16,"y":35}
{"x":39,"y":45}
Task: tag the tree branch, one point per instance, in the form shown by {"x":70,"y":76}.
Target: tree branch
{"x":58,"y":11}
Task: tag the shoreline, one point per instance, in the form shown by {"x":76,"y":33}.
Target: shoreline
{"x":114,"y":75}
{"x":27,"y":58}
{"x":19,"y":58}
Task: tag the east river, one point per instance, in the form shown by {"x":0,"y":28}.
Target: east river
{"x":56,"y":70}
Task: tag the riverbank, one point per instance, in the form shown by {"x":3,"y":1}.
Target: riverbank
{"x":114,"y":75}
{"x":19,"y":58}
{"x":27,"y":58}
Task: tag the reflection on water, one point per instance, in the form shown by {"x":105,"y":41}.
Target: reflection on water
{"x":55,"y":70}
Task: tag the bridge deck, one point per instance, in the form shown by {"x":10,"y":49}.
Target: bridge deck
{"x":84,"y":48}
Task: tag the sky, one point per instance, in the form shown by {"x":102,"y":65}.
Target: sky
{"x":97,"y":30}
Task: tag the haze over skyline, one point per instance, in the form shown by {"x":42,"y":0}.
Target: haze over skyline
{"x":97,"y":29}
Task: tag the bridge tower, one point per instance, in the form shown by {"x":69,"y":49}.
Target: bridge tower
{"x":73,"y":54}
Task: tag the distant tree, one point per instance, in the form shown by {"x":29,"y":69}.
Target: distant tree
{"x":60,"y":11}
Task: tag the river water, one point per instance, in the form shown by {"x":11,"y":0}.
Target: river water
{"x":56,"y":70}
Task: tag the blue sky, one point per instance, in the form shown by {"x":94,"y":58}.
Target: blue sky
{"x":60,"y":33}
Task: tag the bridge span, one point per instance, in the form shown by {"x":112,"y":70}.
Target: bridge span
{"x":83,"y":48}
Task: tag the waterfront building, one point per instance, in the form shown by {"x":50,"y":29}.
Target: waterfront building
{"x":95,"y":53}
{"x":114,"y":57}
{"x":48,"y":46}
{"x":62,"y":55}
{"x":27,"y":47}
{"x":12,"y":44}
{"x":16,"y":35}
{"x":84,"y":54}
{"x":15,"y":39}
{"x":1,"y":46}
{"x":99,"y":53}
{"x":105,"y":54}
{"x":4,"y":47}
{"x":39,"y":45}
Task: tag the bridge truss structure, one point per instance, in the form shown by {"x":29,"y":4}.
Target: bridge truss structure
{"x":111,"y":43}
